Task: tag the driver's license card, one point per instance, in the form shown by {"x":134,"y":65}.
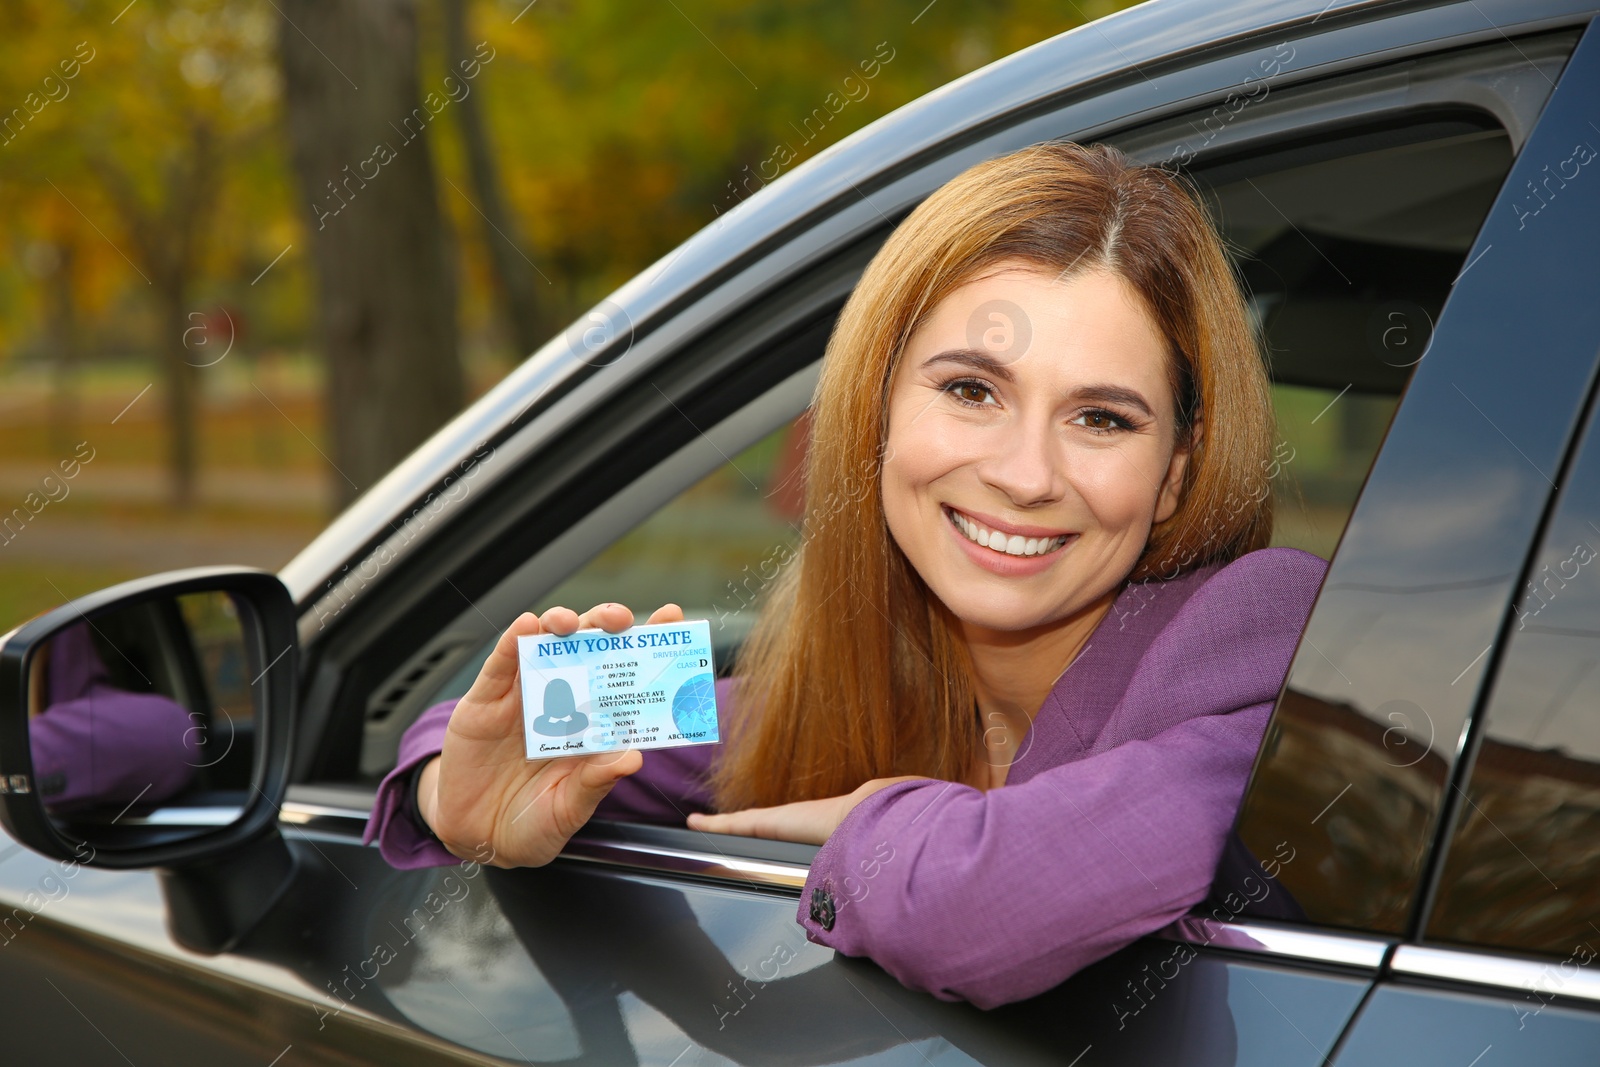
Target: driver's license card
{"x":650,"y":686}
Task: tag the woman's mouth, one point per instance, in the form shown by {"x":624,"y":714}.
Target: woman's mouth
{"x":1007,"y":544}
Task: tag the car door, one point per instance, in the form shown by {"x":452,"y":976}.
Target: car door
{"x":650,"y":944}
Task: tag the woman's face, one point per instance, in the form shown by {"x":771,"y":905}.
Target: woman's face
{"x":1031,"y":444}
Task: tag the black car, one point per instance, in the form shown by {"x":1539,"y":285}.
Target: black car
{"x":1412,"y":194}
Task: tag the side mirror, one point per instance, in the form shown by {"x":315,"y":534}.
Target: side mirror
{"x":149,"y":725}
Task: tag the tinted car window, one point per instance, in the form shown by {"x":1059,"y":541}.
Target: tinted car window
{"x":1347,"y":259}
{"x":1351,"y":281}
{"x":1523,"y":868}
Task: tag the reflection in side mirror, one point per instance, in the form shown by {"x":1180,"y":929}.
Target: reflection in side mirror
{"x":142,"y":716}
{"x":149,"y":725}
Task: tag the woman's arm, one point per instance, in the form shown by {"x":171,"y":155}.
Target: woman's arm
{"x":996,"y":896}
{"x":402,"y":838}
{"x":110,"y":746}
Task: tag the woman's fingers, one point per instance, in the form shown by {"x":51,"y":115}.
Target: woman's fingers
{"x":666,"y":613}
{"x":603,"y":770}
{"x":806,"y":821}
{"x":751,"y":822}
{"x":559,"y":620}
{"x":612,"y":618}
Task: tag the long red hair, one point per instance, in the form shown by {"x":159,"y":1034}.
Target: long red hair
{"x":854,"y":670}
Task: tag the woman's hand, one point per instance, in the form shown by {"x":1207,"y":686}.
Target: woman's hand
{"x":481,"y":795}
{"x":810,"y":822}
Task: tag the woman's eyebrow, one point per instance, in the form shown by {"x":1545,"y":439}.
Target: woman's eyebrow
{"x":1113,"y":394}
{"x":1100,"y":392}
{"x":968,"y":357}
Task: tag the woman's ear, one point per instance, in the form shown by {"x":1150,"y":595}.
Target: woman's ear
{"x":1171,"y":493}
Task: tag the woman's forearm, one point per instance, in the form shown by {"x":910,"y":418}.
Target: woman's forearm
{"x":994,"y":897}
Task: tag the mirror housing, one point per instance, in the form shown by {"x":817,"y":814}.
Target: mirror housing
{"x":270,"y":647}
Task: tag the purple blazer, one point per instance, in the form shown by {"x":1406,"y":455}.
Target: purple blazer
{"x":96,"y":744}
{"x":1110,"y":824}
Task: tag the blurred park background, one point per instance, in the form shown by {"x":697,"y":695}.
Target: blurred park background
{"x":256,"y":250}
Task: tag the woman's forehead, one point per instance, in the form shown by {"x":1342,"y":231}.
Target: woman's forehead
{"x":1046,"y":328}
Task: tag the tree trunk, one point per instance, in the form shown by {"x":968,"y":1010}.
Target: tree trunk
{"x":358,"y":130}
{"x":182,"y":387}
{"x":514,"y":272}
{"x":167,"y":236}
{"x":64,"y":338}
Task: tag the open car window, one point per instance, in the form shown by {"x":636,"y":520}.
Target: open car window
{"x":712,"y":550}
{"x":1342,"y":334}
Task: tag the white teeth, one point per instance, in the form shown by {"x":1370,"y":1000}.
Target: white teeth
{"x":1015,"y":545}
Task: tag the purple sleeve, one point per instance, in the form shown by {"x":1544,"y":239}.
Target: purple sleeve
{"x":109,"y":746}
{"x":994,"y":897}
{"x":401,"y":840}
{"x":997,"y":896}
{"x":671,"y":784}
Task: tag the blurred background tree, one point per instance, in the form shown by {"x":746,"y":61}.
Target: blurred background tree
{"x":220,"y":287}
{"x":359,"y":133}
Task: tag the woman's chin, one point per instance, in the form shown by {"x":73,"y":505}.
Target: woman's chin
{"x":1013,"y":610}
{"x":1000,"y":614}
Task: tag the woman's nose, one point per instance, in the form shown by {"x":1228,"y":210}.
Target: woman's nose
{"x":1026,"y":464}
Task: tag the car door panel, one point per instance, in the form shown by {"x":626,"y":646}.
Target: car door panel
{"x":91,"y":975}
{"x":1405,"y":1025}
{"x":455,"y":965}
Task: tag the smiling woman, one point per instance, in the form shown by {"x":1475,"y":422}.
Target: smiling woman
{"x":1050,"y":369}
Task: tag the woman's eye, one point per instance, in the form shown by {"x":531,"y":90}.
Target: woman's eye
{"x":1102,"y":421}
{"x":970,"y":392}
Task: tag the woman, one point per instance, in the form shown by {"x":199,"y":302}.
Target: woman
{"x":1016,"y":691}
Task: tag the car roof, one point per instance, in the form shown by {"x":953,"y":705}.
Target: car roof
{"x":1136,"y":42}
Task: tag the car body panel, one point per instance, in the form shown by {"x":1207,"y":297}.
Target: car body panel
{"x":458,"y":964}
{"x":1402,"y":1026}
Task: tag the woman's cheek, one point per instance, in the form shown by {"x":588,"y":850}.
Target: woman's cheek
{"x":898,"y":500}
{"x":1120,"y":489}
